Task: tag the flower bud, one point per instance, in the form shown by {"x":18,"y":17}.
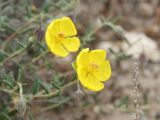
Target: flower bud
{"x":39,"y":33}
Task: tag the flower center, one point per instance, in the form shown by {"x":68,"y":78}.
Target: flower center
{"x":61,"y":35}
{"x":93,"y":67}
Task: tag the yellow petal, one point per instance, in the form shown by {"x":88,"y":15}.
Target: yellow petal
{"x":71,"y":44}
{"x":59,"y":50}
{"x":82,"y":58}
{"x":82,"y":73}
{"x":93,"y":84}
{"x":52,"y":32}
{"x":54,"y":27}
{"x":67,"y":27}
{"x":50,"y":40}
{"x":104,"y":72}
{"x":89,"y":81}
{"x":97,"y":56}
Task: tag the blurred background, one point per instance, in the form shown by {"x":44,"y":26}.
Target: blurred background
{"x":129,"y":30}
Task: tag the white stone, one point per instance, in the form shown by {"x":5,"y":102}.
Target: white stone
{"x":141,"y":43}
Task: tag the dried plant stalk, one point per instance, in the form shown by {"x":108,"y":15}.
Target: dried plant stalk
{"x":136,"y":89}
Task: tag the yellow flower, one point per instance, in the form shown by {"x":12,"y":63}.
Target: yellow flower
{"x":93,"y":69}
{"x":60,"y":37}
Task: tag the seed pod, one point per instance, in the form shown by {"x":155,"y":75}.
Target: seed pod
{"x":79,"y":93}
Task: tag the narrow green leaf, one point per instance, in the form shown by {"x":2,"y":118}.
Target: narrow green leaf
{"x":112,"y":51}
{"x":59,"y":79}
{"x":41,"y":46}
{"x":45,"y":87}
{"x":31,"y":117}
{"x":35,"y":86}
{"x":20,"y":75}
{"x":8,"y":79}
{"x":145,"y":98}
{"x":74,"y":65}
{"x":2,"y":56}
{"x":56,"y":85}
{"x":28,"y":11}
{"x":8,"y":83}
{"x":4,"y":116}
{"x":123,"y":102}
{"x":20,"y":44}
{"x":124,"y":56}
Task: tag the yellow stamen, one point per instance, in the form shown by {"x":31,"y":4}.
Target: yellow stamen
{"x":61,"y":35}
{"x":93,"y":67}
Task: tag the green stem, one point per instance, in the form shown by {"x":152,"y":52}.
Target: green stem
{"x":38,"y":57}
{"x":54,"y":92}
{"x":17,"y":52}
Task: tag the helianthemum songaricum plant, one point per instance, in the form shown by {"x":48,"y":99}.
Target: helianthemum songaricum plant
{"x":61,"y":37}
{"x":93,"y":69}
{"x":91,"y":66}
